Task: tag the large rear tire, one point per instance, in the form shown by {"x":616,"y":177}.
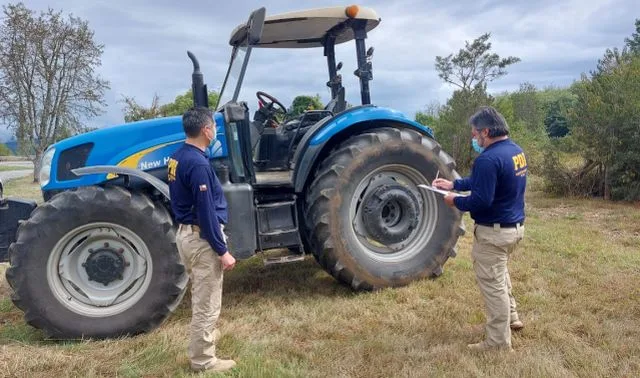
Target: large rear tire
{"x":96,"y":263}
{"x":369,"y":223}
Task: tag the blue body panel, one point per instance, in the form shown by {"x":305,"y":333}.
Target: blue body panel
{"x":145,"y":145}
{"x":363,"y":114}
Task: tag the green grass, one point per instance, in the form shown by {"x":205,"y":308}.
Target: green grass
{"x":6,"y":168}
{"x":23,"y":188}
{"x":575,"y":278}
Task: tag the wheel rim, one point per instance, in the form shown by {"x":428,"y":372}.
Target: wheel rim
{"x":397,"y":199}
{"x":99,"y":269}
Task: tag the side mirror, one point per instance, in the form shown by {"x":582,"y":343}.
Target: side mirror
{"x":256,"y":24}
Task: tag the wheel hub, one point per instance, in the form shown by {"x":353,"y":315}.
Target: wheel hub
{"x":105,"y":265}
{"x":390,"y":213}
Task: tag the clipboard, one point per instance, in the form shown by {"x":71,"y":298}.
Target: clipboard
{"x":443,"y":192}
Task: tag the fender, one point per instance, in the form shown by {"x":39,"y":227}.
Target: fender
{"x":160,"y":185}
{"x":324,"y":133}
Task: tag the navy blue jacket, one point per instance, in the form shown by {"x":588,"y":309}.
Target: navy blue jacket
{"x":196,"y":195}
{"x":497,"y":184}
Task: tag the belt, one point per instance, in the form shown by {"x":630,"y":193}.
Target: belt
{"x":501,"y":225}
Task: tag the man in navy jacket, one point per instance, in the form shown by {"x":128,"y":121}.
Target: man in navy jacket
{"x":200,"y":209}
{"x":496,"y":204}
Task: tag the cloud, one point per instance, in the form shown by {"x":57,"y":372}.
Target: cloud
{"x":146,"y":43}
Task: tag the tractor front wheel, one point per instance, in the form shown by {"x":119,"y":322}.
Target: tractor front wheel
{"x":96,"y":263}
{"x":369,"y":223}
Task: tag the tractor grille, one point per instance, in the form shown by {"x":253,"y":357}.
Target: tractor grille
{"x":72,"y":158}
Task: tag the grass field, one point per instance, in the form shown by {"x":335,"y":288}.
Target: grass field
{"x":576,"y":278}
{"x":5,"y":168}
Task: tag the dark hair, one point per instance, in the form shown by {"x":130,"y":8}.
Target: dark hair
{"x":195,"y":119}
{"x":489,"y":118}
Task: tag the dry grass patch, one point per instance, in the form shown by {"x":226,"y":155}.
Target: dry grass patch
{"x":23,"y":188}
{"x":575,"y":278}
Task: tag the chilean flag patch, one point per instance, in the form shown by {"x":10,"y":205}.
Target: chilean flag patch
{"x":203,"y":188}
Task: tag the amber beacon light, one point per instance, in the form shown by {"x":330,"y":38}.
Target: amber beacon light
{"x":352,"y":11}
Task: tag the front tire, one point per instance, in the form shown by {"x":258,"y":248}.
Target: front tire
{"x":369,"y":224}
{"x":96,"y":263}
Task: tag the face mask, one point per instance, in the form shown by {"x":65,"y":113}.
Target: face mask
{"x":213,"y":140}
{"x":476,"y":146}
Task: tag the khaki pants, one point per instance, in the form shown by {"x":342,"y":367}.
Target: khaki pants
{"x":206,"y":274}
{"x":492,"y":248}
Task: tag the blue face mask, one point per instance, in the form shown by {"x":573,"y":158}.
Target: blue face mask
{"x":476,"y":146}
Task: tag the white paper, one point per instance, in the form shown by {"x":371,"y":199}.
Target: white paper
{"x":443,"y":192}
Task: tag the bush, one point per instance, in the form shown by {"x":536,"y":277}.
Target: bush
{"x":4,"y":150}
{"x":566,"y":173}
{"x":534,"y":142}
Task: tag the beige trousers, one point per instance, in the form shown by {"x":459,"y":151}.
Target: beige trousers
{"x":205,"y":272}
{"x":492,"y":248}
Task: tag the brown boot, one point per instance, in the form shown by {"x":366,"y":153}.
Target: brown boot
{"x":517,"y":325}
{"x":218,"y":366}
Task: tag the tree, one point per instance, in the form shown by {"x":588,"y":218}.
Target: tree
{"x":48,"y":84}
{"x":303,"y":103}
{"x":426,"y":119}
{"x":605,"y":123}
{"x":453,"y":130}
{"x":526,"y":107}
{"x":633,"y":43}
{"x":606,"y":119}
{"x":474,"y":65}
{"x":136,"y":112}
{"x":429,"y":116}
{"x":523,"y":112}
{"x":556,"y":104}
{"x":183,"y":102}
{"x":470,"y":70}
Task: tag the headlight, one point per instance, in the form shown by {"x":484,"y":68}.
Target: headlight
{"x":45,"y":167}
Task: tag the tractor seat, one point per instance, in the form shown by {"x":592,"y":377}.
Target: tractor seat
{"x":310,"y":118}
{"x":273,"y":145}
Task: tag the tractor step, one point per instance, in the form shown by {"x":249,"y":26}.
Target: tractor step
{"x":274,"y":178}
{"x":283,"y":259}
{"x":278,"y":224}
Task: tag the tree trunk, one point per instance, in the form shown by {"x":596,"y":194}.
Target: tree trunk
{"x":36,"y":166}
{"x":607,"y":189}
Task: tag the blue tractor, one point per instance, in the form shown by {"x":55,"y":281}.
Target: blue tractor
{"x":98,"y":258}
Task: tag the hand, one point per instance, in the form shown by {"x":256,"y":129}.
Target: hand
{"x":228,"y":261}
{"x":448,"y":199}
{"x":442,"y":184}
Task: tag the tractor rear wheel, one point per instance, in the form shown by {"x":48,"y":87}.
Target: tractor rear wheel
{"x":369,"y":223}
{"x":96,"y":263}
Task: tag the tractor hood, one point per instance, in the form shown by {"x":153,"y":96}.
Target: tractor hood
{"x":144,"y":145}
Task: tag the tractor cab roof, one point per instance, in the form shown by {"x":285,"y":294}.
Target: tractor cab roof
{"x":308,"y":28}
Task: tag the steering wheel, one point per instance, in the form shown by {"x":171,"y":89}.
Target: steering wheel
{"x":272,"y":101}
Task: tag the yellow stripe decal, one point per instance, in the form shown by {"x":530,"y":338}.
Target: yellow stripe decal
{"x":133,"y":160}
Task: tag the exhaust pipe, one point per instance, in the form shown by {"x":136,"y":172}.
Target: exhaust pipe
{"x":198,"y":87}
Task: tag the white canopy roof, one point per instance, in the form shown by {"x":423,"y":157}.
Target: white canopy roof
{"x":303,"y":29}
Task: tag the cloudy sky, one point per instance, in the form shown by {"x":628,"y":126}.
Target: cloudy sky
{"x":146,"y":43}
